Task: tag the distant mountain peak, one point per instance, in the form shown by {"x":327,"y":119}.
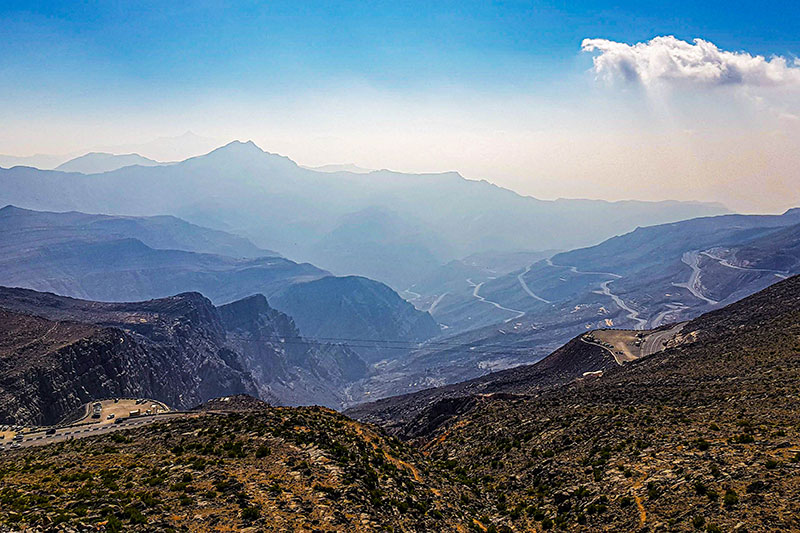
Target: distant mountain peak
{"x":240,"y":146}
{"x":10,"y":209}
{"x":246,"y":152}
{"x":98,"y":162}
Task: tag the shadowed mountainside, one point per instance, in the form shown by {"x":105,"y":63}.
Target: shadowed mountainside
{"x":59,"y":353}
{"x":111,"y":258}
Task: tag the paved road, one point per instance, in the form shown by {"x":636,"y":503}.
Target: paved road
{"x":527,"y":289}
{"x":655,"y":341}
{"x":632,"y":313}
{"x":585,"y":272}
{"x":436,"y":302}
{"x":39,"y":438}
{"x":661,"y":317}
{"x":606,"y":348}
{"x":415,"y":295}
{"x":477,"y":287}
{"x":652,"y":343}
{"x":692,"y":259}
{"x":724,"y":262}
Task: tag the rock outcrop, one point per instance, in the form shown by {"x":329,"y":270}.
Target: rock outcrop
{"x":60,"y":352}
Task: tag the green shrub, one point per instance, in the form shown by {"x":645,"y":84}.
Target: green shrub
{"x":113,"y":525}
{"x":250,"y":513}
{"x":731,"y":498}
{"x":134,"y":515}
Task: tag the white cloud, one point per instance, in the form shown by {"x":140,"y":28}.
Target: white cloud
{"x":669,"y":60}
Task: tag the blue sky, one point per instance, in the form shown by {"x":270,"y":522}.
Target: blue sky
{"x":188,"y":46}
{"x":317,"y":80}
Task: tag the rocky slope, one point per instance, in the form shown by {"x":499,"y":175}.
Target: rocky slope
{"x":263,"y":469}
{"x":702,"y":436}
{"x":288,"y":368}
{"x":59,"y":353}
{"x":419,"y":413}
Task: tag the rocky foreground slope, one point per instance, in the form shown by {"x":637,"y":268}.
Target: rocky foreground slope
{"x":264,"y":469}
{"x":702,"y":436}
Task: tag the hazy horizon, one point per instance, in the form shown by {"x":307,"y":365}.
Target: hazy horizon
{"x":547,"y":100}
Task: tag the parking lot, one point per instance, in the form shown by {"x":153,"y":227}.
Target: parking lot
{"x":112,"y":415}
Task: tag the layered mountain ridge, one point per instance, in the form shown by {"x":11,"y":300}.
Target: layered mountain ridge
{"x":303,"y":213}
{"x":115,"y":258}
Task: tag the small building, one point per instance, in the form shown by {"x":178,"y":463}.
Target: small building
{"x":97,"y":408}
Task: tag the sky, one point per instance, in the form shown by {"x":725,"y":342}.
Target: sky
{"x":611,"y":100}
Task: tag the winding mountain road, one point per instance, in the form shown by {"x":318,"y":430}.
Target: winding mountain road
{"x":78,"y":431}
{"x":661,"y":317}
{"x":692,"y":260}
{"x":586,"y":272}
{"x":724,"y":262}
{"x":527,"y":289}
{"x":655,"y":341}
{"x":436,"y":302}
{"x":477,"y":287}
{"x":415,"y":295}
{"x":632,"y":313}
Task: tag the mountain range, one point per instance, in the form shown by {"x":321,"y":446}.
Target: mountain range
{"x":99,"y":162}
{"x":492,"y":313}
{"x":116,"y":258}
{"x":343,"y":221}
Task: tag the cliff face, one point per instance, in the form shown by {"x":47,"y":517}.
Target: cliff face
{"x":365,"y":313}
{"x":58,"y":353}
{"x":288,"y":368}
